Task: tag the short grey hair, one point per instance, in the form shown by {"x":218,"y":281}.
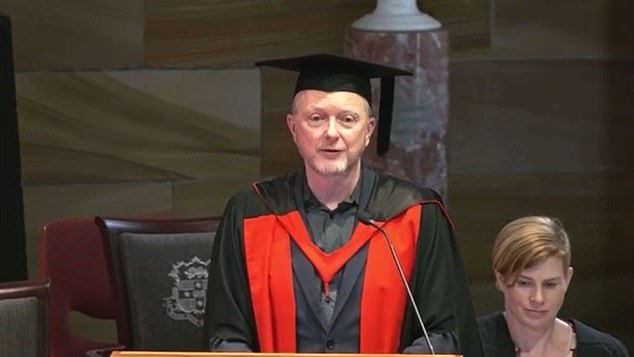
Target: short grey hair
{"x":368,"y":107}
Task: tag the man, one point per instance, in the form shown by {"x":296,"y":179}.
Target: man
{"x":299,"y":264}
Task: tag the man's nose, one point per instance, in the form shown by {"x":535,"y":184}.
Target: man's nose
{"x":331,"y":127}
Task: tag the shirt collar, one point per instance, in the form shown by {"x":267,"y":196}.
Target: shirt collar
{"x":310,"y":200}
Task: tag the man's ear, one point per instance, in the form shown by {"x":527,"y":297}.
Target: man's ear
{"x":370,"y":129}
{"x":290,"y":123}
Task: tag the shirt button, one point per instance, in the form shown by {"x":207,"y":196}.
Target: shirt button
{"x":330,"y":344}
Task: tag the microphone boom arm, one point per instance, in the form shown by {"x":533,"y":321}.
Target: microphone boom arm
{"x":401,"y":274}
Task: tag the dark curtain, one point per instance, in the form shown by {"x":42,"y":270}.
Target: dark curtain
{"x":12,"y":234}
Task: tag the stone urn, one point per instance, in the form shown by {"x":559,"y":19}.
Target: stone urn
{"x":397,"y":33}
{"x":396,"y":15}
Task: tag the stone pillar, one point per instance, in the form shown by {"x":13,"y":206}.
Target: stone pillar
{"x":398,"y":34}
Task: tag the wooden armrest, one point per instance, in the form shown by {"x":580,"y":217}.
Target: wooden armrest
{"x":104,"y":352}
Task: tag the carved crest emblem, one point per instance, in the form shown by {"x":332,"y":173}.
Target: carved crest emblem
{"x":189,"y":292}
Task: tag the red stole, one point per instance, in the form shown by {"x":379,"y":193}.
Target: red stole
{"x":383,"y":297}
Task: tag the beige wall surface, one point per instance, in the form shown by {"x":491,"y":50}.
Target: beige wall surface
{"x":105,"y":34}
{"x":135,"y":142}
{"x":538,"y":29}
{"x":72,"y":34}
{"x":154,"y":107}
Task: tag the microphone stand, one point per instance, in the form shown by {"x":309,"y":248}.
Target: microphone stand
{"x":367,"y":220}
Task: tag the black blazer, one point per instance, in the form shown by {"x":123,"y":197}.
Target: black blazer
{"x":497,"y":342}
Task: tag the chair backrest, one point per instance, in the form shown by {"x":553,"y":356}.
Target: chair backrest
{"x":70,"y":252}
{"x":159,"y":269}
{"x":23,"y":315}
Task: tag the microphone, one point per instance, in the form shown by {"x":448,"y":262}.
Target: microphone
{"x":365,"y":217}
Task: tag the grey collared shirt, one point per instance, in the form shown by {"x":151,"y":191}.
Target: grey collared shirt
{"x":329,"y":230}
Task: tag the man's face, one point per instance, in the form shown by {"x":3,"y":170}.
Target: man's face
{"x":331,"y":130}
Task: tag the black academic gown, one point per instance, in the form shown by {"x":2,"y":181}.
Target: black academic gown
{"x":497,"y":342}
{"x":438,"y":281}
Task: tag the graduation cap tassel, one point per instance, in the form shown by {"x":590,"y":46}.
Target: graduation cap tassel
{"x":386,"y":106}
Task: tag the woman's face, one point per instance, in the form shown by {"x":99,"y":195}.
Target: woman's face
{"x":534,"y":300}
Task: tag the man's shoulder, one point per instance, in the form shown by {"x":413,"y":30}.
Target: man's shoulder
{"x":277,"y":182}
{"x":268,"y":195}
{"x":265,"y":186}
{"x":392,"y":195}
{"x":388,"y":184}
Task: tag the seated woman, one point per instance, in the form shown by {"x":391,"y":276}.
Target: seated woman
{"x":531,"y":261}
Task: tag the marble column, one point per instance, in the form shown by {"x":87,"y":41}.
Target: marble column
{"x":403,"y":37}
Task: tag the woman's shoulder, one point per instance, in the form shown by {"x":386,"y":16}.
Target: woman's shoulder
{"x":494,"y":335}
{"x":491,"y":321}
{"x":493,"y":329}
{"x":591,"y":338}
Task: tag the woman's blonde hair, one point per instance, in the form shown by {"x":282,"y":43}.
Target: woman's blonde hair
{"x":527,"y":241}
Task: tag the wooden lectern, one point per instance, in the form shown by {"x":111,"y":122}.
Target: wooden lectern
{"x":249,"y":354}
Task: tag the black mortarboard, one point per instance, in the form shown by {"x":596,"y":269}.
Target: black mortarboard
{"x":332,"y":73}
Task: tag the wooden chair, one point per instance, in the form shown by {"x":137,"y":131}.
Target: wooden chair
{"x":70,"y":253}
{"x":23,"y":315}
{"x":159,"y":270}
